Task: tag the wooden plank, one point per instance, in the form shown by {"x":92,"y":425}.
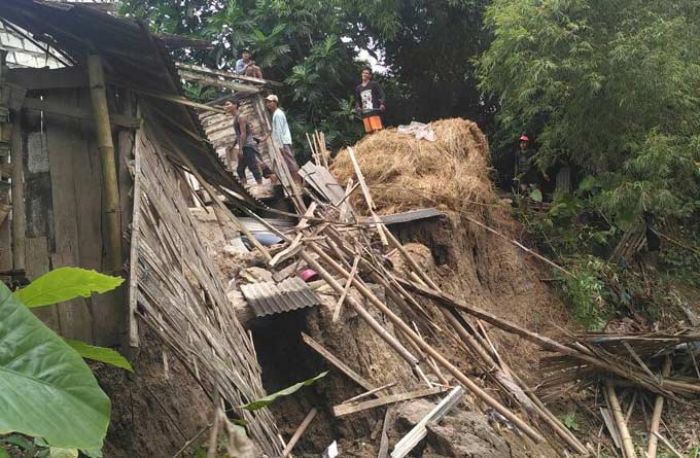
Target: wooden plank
{"x":62,"y":138}
{"x":36,"y":264}
{"x":350,"y":408}
{"x":42,"y":78}
{"x":419,"y":431}
{"x":107,"y":310}
{"x":344,"y":368}
{"x":19,"y":219}
{"x":79,"y":113}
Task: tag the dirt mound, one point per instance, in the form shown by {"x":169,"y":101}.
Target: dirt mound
{"x":470,"y":262}
{"x":406,"y":173}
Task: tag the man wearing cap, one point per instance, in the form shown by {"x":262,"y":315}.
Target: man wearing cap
{"x":242,"y":63}
{"x":525,"y":173}
{"x":281,"y":136}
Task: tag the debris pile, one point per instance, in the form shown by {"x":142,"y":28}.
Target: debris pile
{"x":361,"y":265}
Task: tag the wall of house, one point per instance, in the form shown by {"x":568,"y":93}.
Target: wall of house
{"x":64,"y":221}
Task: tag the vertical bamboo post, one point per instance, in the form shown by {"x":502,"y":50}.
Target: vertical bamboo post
{"x":19,"y":221}
{"x":627,"y":444}
{"x":656,"y":416}
{"x":98,"y":94}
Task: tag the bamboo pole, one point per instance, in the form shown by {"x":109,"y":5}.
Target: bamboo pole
{"x":19,"y":218}
{"x":656,"y":416}
{"x":476,"y":346}
{"x":399,"y":323}
{"x":368,"y":197}
{"x":98,"y":93}
{"x":627,"y":445}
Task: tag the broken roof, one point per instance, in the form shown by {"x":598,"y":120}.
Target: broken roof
{"x":133,"y":58}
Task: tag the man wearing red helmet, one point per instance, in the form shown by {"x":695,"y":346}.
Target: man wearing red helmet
{"x":525,"y":172}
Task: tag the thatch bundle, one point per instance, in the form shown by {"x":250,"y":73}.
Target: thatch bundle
{"x":404,"y":173}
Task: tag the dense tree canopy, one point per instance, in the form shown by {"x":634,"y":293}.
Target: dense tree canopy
{"x":613,"y":87}
{"x":312,"y":46}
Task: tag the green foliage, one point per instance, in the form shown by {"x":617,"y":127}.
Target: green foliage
{"x":46,"y":389}
{"x":586,"y":293}
{"x":570,"y":421}
{"x":611,"y":87}
{"x":312,"y":46}
{"x":100,"y":354}
{"x":269,"y":399}
{"x":65,"y":283}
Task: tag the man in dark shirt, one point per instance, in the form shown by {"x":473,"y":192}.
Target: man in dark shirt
{"x":369,"y":102}
{"x":247,"y":156}
{"x":525,"y":172}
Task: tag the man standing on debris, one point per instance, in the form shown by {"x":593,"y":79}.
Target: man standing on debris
{"x":281,"y":136}
{"x":525,"y":172}
{"x":247,"y":155}
{"x":243,"y":62}
{"x":369,"y":102}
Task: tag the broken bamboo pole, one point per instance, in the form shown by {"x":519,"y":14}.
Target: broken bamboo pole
{"x":368,"y":197}
{"x":618,"y":416}
{"x":476,"y":346}
{"x":656,"y":416}
{"x":298,"y":433}
{"x":549,"y":344}
{"x":346,"y":290}
{"x":399,"y":323}
{"x":98,"y":94}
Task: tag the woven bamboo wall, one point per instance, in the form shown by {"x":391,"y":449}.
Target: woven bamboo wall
{"x":179,"y":294}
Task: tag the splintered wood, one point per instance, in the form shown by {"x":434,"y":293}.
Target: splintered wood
{"x":348,"y":259}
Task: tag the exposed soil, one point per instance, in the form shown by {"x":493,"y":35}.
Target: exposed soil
{"x":155,"y":410}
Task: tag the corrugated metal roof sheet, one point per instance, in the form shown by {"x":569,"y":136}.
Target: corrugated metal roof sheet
{"x":269,"y":298}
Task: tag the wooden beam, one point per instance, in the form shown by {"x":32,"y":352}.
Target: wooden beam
{"x":19,"y":217}
{"x":98,"y":93}
{"x":43,"y":78}
{"x":354,"y":407}
{"x":344,"y":368}
{"x":404,"y":446}
{"x":78,"y":113}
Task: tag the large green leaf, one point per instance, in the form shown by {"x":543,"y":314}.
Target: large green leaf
{"x":101,"y":354}
{"x":269,"y":399}
{"x":64,"y":284}
{"x":46,"y":389}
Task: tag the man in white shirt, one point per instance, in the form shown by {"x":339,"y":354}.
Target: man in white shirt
{"x":242,"y":63}
{"x":281,"y":136}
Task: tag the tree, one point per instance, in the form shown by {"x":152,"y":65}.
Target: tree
{"x":611,"y":87}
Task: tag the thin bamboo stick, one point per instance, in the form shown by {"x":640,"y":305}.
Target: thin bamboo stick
{"x":300,"y":430}
{"x":399,"y":323}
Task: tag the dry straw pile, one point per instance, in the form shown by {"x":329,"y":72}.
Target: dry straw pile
{"x":404,"y":173}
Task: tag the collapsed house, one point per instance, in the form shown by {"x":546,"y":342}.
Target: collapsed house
{"x":99,"y":150}
{"x":94,"y":152}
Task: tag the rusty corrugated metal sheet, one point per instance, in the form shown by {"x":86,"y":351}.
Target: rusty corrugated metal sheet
{"x":270,"y":298}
